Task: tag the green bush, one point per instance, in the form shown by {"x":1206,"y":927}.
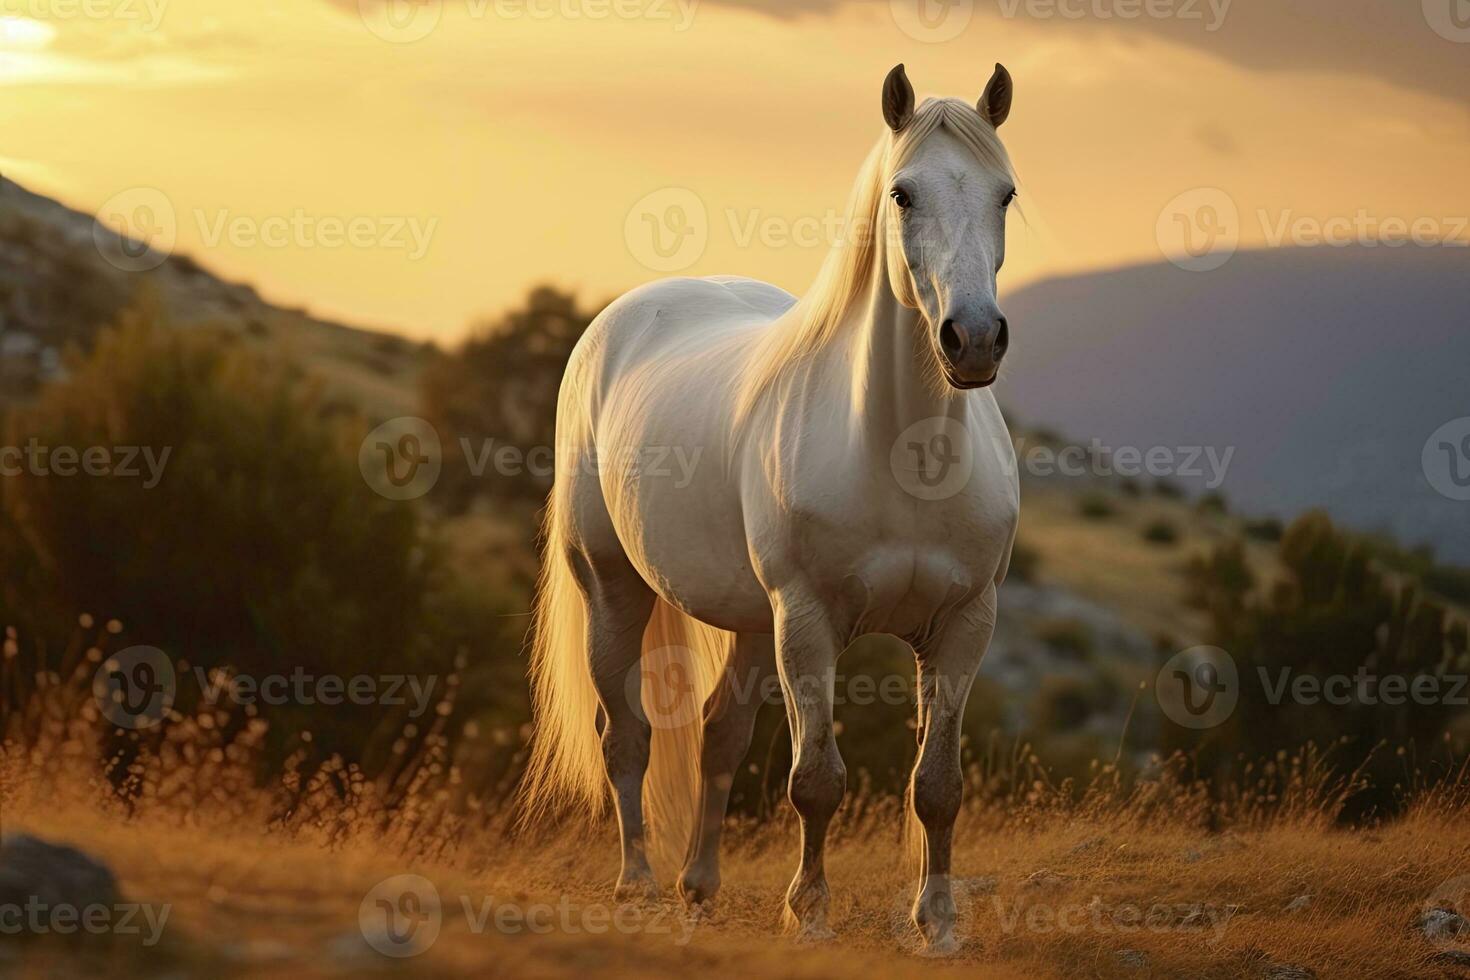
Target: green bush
{"x":1161,"y":532}
{"x":1096,"y":506}
{"x":1067,"y":637}
{"x":250,"y":540}
{"x":1267,"y":529}
{"x":499,"y":390}
{"x":1334,"y":615}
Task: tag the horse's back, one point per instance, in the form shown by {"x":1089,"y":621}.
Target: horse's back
{"x":673,"y":319}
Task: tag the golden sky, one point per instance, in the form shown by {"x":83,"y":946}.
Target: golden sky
{"x":324,"y":151}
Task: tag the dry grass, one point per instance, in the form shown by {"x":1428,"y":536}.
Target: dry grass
{"x":1152,"y":879}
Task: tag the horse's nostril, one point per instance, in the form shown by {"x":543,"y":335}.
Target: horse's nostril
{"x":949,"y":339}
{"x":1002,"y":340}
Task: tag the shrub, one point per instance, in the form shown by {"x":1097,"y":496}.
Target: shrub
{"x":1096,"y":506}
{"x":1267,"y":529}
{"x":254,"y":543}
{"x":1068,"y":637}
{"x":499,"y":389}
{"x":1334,"y":615}
{"x":1161,"y":532}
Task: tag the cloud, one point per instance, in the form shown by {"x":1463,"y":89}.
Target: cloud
{"x":1392,"y":40}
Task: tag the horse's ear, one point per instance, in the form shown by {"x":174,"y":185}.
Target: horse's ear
{"x":898,"y":99}
{"x":995,"y":102}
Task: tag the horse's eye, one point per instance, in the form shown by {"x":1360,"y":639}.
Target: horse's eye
{"x":901,"y":198}
{"x":1008,"y":198}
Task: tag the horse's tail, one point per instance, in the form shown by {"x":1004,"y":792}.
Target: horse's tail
{"x":681,"y":663}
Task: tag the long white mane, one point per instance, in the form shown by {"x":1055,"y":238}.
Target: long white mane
{"x":849,"y":266}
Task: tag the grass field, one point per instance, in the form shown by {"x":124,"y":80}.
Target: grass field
{"x":1127,"y":886}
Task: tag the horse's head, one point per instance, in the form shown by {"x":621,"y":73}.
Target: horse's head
{"x":949,"y":184}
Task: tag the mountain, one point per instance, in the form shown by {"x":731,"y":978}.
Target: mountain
{"x":1325,"y":370}
{"x":61,"y":280}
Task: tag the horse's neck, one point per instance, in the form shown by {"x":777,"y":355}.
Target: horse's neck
{"x":889,"y":370}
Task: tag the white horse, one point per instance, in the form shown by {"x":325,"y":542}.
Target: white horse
{"x":853,"y":476}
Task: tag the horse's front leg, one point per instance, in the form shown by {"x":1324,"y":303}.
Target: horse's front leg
{"x":806,"y":657}
{"x":946,"y":670}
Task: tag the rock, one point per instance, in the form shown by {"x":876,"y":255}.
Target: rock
{"x":1288,"y":971}
{"x":1132,"y":959}
{"x":1044,"y":880}
{"x":977,"y":885}
{"x":37,"y":872}
{"x":1442,"y":924}
{"x":1299,"y":904}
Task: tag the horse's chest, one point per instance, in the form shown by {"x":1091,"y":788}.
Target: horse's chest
{"x":905,"y":569}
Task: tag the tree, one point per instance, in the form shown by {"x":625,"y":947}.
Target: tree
{"x":498,"y":391}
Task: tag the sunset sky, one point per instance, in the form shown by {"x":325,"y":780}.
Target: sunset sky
{"x":519,"y":141}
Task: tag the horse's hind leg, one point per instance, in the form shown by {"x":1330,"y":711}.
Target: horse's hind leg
{"x":619,"y":603}
{"x":729,"y":720}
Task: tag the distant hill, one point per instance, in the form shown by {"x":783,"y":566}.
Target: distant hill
{"x":57,"y":288}
{"x":1326,"y":369}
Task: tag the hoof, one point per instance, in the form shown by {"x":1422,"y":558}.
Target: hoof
{"x":696,"y":891}
{"x":813,"y":931}
{"x":636,"y":889}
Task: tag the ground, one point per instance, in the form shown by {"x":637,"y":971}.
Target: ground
{"x":1059,"y":896}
